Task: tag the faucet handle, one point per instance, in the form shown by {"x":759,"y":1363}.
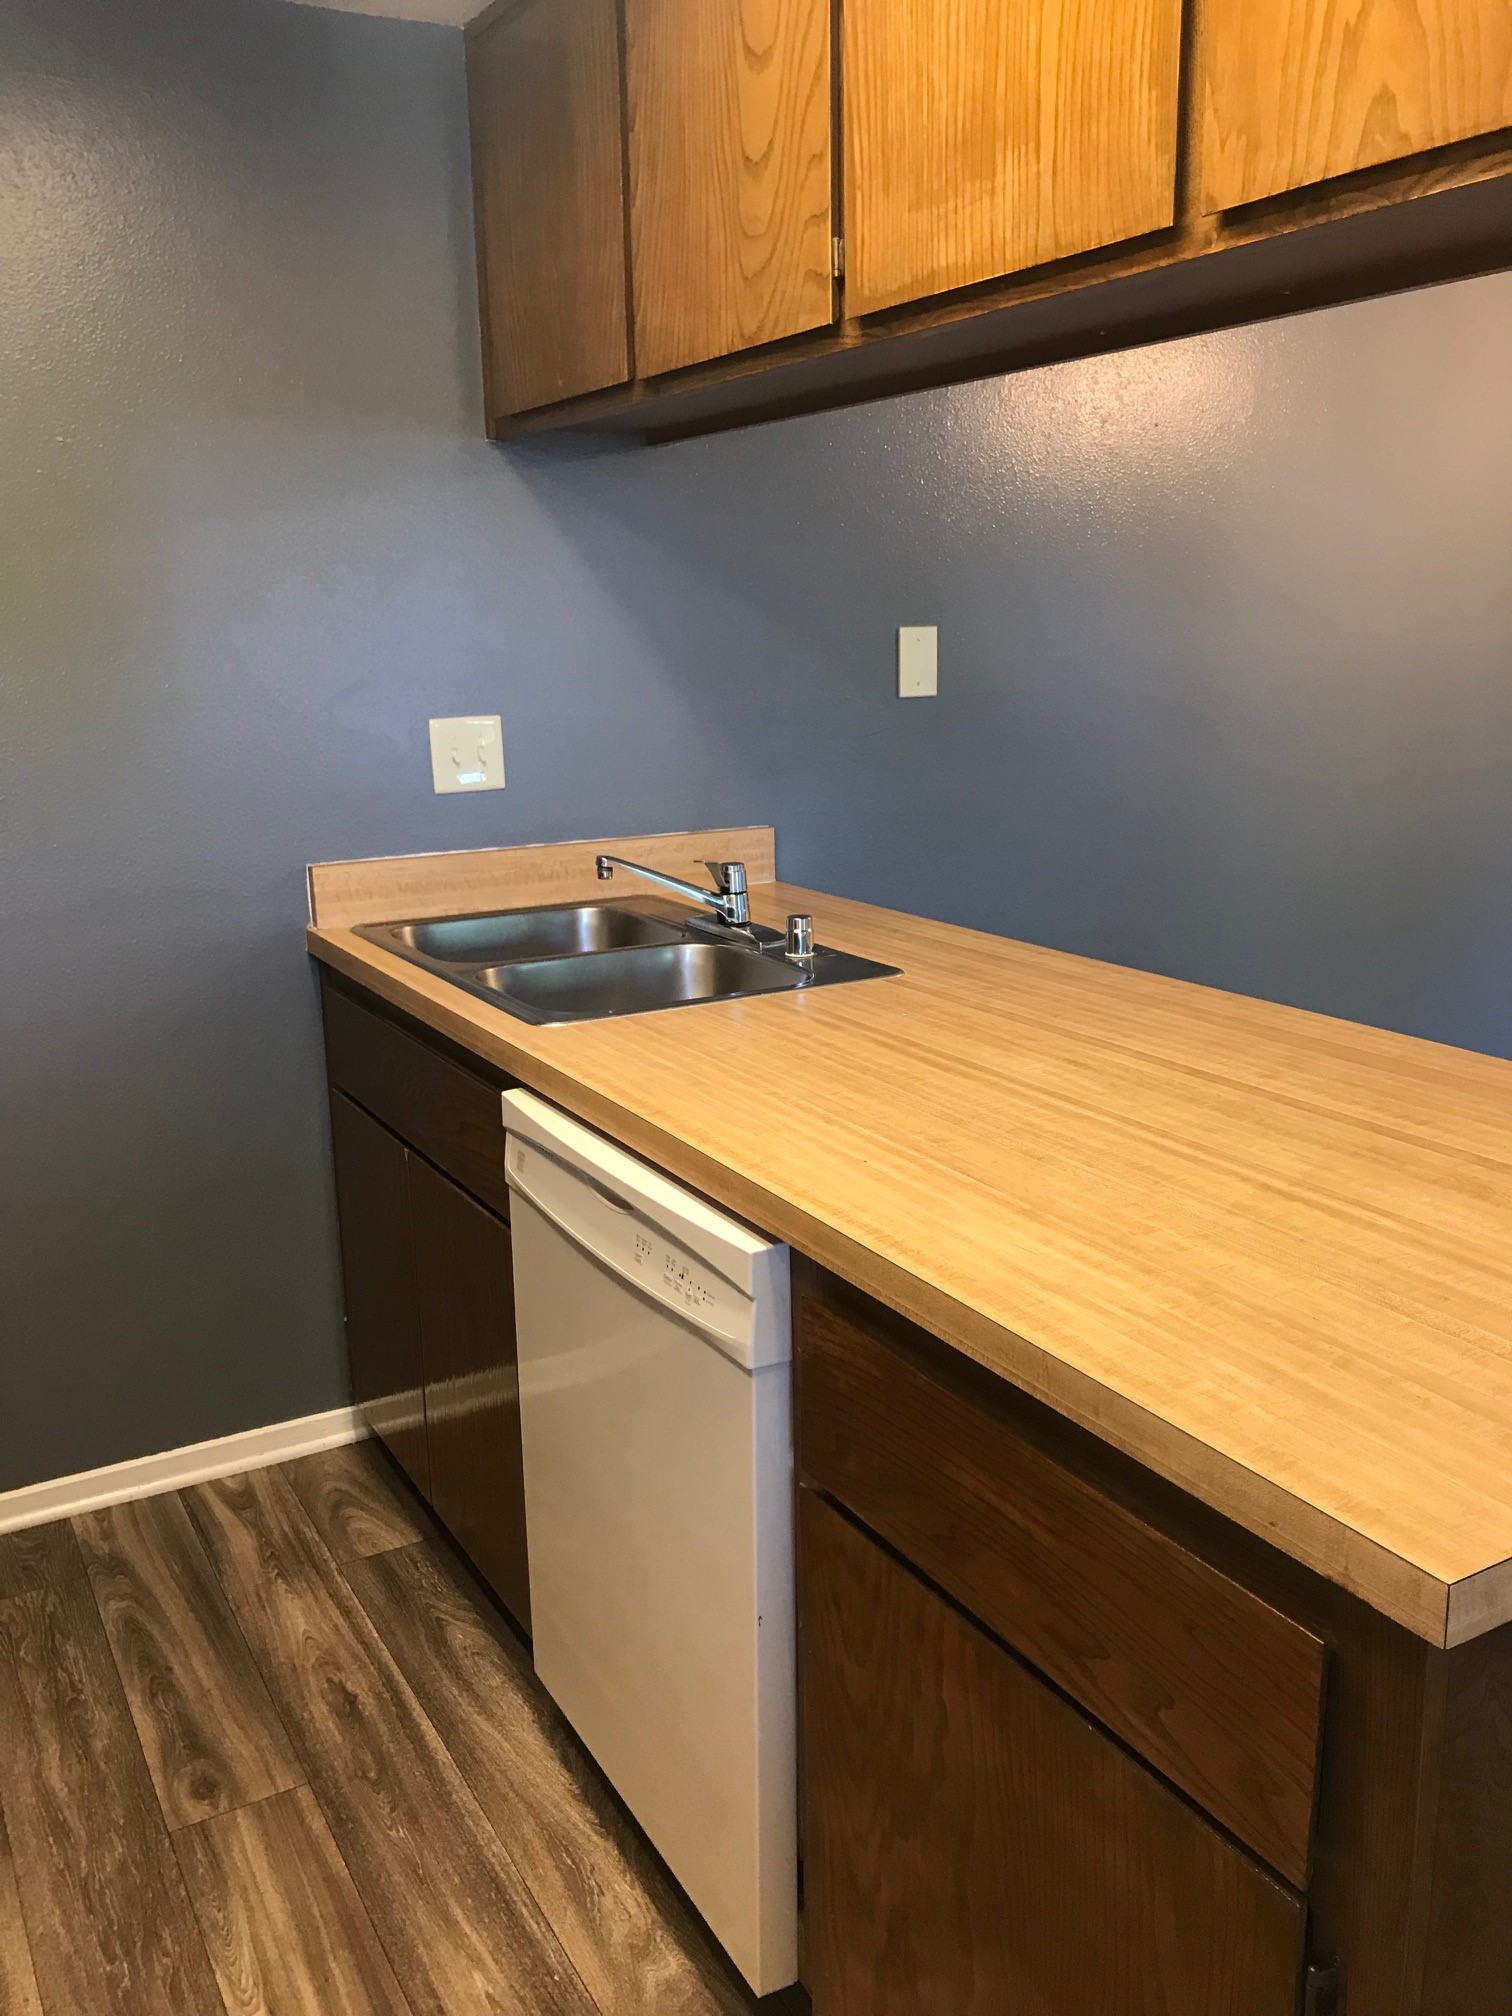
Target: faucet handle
{"x":729,"y":876}
{"x":799,"y":941}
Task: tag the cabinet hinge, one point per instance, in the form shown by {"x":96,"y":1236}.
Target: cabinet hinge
{"x":837,"y":258}
{"x":1323,"y":1989}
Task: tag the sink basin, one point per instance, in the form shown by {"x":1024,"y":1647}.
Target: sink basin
{"x":523,"y":934}
{"x":634,"y":980}
{"x":578,"y":962}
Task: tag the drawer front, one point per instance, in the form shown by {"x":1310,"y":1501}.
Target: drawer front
{"x":453,"y":1118}
{"x":973,"y":1845}
{"x":1217,"y":1690}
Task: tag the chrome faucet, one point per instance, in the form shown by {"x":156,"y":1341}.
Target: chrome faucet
{"x":728,"y":899}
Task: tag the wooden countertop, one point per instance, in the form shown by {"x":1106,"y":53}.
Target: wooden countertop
{"x":1267,"y":1253}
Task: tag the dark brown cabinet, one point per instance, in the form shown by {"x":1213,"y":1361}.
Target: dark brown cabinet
{"x":1215,"y":1689}
{"x":1070,"y":1741}
{"x":378,"y":1276}
{"x":428,"y":1278}
{"x":465,"y":1283}
{"x":974,"y":1844}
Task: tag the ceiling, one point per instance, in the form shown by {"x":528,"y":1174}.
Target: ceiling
{"x":453,"y":12}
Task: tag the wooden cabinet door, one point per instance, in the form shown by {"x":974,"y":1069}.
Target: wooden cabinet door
{"x":982,"y":138}
{"x":465,"y":1279}
{"x":973,"y":1844}
{"x":1295,"y":91}
{"x":544,"y":89}
{"x":377,"y":1268}
{"x":730,"y":118}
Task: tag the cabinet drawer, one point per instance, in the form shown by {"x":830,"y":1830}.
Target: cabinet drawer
{"x":973,"y":1845}
{"x":452,"y":1117}
{"x":1217,"y":1690}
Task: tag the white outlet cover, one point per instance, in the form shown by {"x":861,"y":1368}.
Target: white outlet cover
{"x":467,"y":753}
{"x":918,"y":661}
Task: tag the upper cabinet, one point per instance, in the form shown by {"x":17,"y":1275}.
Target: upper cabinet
{"x":1297,"y":91}
{"x":544,"y":88}
{"x":697,"y":212}
{"x":981,"y":139}
{"x":730,"y":174}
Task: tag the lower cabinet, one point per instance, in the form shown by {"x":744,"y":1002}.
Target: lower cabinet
{"x":378,"y":1276}
{"x":973,"y":1843}
{"x":429,"y":1285}
{"x":465,"y":1278}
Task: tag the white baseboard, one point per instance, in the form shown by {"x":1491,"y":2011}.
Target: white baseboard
{"x":147,"y":1476}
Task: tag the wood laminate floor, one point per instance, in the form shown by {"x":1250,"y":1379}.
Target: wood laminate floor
{"x":267,"y":1749}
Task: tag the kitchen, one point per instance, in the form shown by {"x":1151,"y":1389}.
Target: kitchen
{"x":1220,"y":625}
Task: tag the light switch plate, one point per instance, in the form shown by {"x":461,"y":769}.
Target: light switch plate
{"x":467,"y":753}
{"x":918,"y":661}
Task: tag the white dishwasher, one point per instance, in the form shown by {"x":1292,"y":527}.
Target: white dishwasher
{"x":655,"y":1349}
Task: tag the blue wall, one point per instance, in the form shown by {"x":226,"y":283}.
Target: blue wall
{"x":1224,"y":627}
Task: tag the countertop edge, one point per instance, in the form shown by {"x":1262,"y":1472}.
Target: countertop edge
{"x":1442,"y":1613}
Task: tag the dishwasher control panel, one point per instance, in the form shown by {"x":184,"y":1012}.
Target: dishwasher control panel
{"x":680,"y":1275}
{"x":620,"y":1238}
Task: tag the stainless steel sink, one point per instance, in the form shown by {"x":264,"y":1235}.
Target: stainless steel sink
{"x":578,"y":962}
{"x":631,"y":982}
{"x":507,"y":936}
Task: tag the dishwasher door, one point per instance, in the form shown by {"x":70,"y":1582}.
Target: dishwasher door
{"x":654,"y":1347}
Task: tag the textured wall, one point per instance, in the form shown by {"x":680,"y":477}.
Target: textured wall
{"x":1225,"y":631}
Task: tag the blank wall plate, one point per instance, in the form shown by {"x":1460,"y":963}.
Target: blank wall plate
{"x":918,"y":661}
{"x":467,"y":753}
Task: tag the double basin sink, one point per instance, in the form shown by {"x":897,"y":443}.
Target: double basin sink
{"x":581,"y":962}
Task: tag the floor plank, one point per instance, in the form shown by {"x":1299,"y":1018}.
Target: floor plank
{"x":111,"y":1928}
{"x":281,"y":1916}
{"x":632,"y":1937}
{"x":18,"y":1980}
{"x":35,"y":1557}
{"x":461,"y":1929}
{"x":357,"y":1501}
{"x":211,"y":1735}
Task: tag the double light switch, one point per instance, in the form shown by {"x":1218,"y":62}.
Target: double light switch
{"x":467,"y":753}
